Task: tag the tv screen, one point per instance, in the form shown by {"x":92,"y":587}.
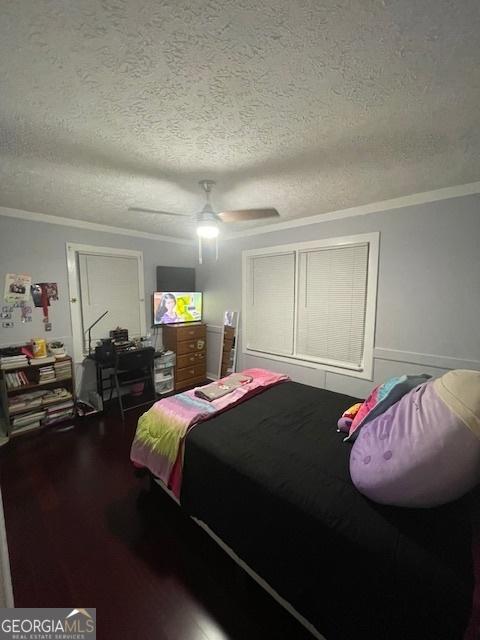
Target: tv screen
{"x":176,"y":306}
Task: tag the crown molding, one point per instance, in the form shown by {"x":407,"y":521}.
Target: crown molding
{"x":375,"y":207}
{"x":90,"y":226}
{"x":425,"y":197}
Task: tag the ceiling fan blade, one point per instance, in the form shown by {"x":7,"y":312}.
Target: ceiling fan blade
{"x":241,"y":215}
{"x":162,"y":213}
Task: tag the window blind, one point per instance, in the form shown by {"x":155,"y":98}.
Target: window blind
{"x":332,"y":296}
{"x":270,"y":303}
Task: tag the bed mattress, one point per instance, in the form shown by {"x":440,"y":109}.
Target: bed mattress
{"x":271,"y":479}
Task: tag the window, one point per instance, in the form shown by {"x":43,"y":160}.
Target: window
{"x":103,"y":279}
{"x":313,"y":302}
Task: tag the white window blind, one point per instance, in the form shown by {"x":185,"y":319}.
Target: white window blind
{"x":332,"y":296}
{"x":270,"y":303}
{"x":109,"y":282}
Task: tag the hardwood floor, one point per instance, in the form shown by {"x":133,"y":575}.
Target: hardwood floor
{"x":84,"y":530}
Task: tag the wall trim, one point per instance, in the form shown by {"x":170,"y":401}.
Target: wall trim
{"x":426,"y":359}
{"x":425,"y":197}
{"x":214,"y":328}
{"x":91,"y":226}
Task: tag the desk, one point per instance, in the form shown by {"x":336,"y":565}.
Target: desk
{"x":104,"y":383}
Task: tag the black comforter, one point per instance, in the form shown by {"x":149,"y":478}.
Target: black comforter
{"x":271,"y":478}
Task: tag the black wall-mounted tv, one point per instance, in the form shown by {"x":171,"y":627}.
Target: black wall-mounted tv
{"x":175,"y":279}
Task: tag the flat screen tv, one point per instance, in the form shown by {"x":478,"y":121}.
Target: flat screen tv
{"x":176,"y":306}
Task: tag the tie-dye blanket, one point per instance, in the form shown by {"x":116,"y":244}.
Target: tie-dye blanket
{"x":162,"y":429}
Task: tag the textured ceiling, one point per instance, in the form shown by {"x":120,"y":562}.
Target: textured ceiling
{"x":303,"y":105}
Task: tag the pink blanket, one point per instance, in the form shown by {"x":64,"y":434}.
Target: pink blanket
{"x":161,"y":431}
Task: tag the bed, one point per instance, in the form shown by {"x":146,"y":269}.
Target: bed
{"x":269,"y":478}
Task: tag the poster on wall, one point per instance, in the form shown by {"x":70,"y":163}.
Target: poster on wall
{"x":17,"y":287}
{"x":43,"y":292}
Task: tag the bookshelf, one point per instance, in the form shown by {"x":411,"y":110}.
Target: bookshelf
{"x":36,"y":394}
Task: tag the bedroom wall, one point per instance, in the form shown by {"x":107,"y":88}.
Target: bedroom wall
{"x":428,"y":301}
{"x":38,"y":248}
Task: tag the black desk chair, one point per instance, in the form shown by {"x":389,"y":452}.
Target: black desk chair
{"x":132,"y":367}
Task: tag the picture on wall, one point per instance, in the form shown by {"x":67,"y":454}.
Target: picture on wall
{"x":17,"y":287}
{"x":49,"y":291}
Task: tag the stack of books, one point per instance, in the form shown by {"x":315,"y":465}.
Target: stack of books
{"x":56,"y":395}
{"x":28,"y":421}
{"x":25,"y":401}
{"x":58,"y":412}
{"x":13,"y":362}
{"x":63,"y":369}
{"x":46,"y":374}
{"x":16,"y":379}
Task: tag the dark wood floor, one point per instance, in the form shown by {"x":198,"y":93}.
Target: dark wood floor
{"x":83,"y":530}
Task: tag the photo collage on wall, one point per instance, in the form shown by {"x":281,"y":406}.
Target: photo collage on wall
{"x":21,"y":293}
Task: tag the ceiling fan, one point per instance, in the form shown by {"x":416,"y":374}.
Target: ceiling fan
{"x":208,"y":221}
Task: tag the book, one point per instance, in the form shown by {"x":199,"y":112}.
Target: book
{"x":56,"y":395}
{"x":13,"y":362}
{"x":42,"y":361}
{"x":28,"y":427}
{"x":59,"y":407}
{"x":28,"y":418}
{"x":59,"y":417}
{"x":16,"y":407}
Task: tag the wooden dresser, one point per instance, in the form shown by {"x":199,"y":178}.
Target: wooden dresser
{"x":189,"y":342}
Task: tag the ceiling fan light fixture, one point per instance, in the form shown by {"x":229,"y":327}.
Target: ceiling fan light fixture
{"x":208,"y":230}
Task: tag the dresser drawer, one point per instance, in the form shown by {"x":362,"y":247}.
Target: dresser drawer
{"x":190,"y":346}
{"x":189,"y":332}
{"x":192,"y":358}
{"x":195,"y":371}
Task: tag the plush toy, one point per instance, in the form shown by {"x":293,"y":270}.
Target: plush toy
{"x":424,"y":450}
{"x":382,"y":397}
{"x":345,"y":422}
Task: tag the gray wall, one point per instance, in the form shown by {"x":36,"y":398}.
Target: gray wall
{"x":428,"y":303}
{"x":38,"y":248}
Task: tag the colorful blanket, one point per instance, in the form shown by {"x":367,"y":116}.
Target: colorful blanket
{"x":158,"y":442}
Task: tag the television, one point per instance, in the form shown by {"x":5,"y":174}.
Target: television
{"x":179,"y":278}
{"x":174,"y":307}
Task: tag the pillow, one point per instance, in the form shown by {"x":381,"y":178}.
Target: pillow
{"x":424,"y":450}
{"x":383,"y":397}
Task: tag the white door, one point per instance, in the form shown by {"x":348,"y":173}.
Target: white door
{"x":104,"y":279}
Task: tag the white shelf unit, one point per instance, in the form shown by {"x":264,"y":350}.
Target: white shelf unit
{"x":164,"y":373}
